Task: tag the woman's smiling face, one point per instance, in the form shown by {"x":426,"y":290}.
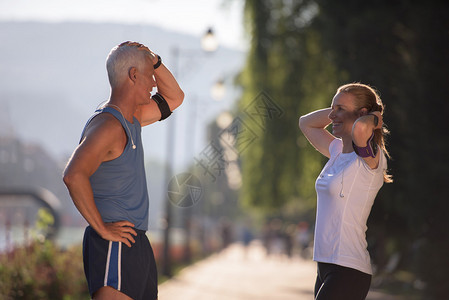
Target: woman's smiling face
{"x":343,"y":114}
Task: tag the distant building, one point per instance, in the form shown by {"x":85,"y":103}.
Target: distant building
{"x":27,"y":166}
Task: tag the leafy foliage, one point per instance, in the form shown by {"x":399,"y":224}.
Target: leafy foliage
{"x":42,"y":271}
{"x":301,"y":51}
{"x":283,"y":58}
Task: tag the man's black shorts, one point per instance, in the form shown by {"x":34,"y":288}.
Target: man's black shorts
{"x":131,"y":270}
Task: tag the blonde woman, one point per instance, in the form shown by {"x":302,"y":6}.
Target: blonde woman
{"x":346,"y":188}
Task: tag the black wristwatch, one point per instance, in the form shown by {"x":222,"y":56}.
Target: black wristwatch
{"x":159,"y":61}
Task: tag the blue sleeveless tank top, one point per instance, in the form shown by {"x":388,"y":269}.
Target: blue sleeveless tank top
{"x":119,"y":186}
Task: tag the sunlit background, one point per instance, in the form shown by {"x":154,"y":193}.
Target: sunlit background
{"x":249,"y":69}
{"x":53,"y":73}
{"x":53,"y":76}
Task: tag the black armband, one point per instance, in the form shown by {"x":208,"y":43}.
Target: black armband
{"x":163,"y":106}
{"x":159,"y":62}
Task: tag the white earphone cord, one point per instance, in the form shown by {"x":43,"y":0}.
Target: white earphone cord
{"x":126,"y":124}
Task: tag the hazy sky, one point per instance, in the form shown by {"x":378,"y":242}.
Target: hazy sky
{"x":191,"y":17}
{"x":194,"y":17}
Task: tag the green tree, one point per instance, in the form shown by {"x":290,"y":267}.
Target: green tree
{"x":402,"y":48}
{"x":284,"y":63}
{"x":301,"y":51}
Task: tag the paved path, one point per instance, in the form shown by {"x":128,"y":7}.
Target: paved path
{"x":236,"y":274}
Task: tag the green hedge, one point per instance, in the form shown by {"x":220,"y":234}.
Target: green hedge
{"x":42,"y":271}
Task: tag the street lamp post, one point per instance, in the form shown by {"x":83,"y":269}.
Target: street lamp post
{"x":217,"y":92}
{"x":208,"y":44}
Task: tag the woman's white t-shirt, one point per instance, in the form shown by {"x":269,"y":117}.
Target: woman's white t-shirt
{"x":346,"y":189}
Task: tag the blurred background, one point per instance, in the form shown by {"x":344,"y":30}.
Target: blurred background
{"x":230,"y":165}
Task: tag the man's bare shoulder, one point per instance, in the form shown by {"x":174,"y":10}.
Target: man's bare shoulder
{"x":104,"y":123}
{"x":107,"y":133}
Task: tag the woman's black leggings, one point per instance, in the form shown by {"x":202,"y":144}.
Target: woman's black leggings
{"x":335,"y":282}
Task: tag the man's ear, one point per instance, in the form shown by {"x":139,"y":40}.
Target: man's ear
{"x":132,"y":74}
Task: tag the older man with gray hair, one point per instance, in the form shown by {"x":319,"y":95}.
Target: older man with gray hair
{"x":106,"y":176}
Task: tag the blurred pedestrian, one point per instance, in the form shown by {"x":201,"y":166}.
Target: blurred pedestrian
{"x":277,"y":244}
{"x":267,"y":237}
{"x":289,"y":239}
{"x":226,"y":232}
{"x":346,"y":188}
{"x":303,"y":238}
{"x":303,"y":235}
{"x":247,"y":235}
{"x":106,"y":175}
